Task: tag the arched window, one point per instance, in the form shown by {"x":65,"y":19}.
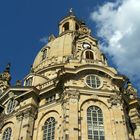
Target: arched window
{"x":7,"y":134}
{"x":95,"y":123}
{"x":89,"y":55}
{"x":66,"y":26}
{"x":49,"y":129}
{"x":76,"y":26}
{"x":29,"y":81}
{"x":44,"y":54}
{"x":11,"y":106}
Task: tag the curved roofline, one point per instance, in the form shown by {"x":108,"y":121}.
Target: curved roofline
{"x":66,"y":18}
{"x":77,"y":69}
{"x":88,"y":67}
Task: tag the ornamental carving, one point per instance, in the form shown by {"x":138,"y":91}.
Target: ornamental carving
{"x":19,"y":116}
{"x":5,"y":76}
{"x":134,"y":116}
{"x":131,"y":91}
{"x":73,"y":94}
{"x":30,"y":112}
{"x":114,"y":100}
{"x":11,"y":94}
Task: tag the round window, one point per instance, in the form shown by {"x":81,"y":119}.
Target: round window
{"x":11,"y":106}
{"x":93,"y":81}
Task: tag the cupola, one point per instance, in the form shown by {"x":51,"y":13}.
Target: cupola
{"x":69,"y":23}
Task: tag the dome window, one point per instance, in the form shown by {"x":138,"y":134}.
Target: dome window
{"x":89,"y":55}
{"x":76,"y":26}
{"x":66,"y":26}
{"x":44,"y":54}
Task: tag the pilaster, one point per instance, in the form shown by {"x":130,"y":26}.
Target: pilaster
{"x":118,"y":119}
{"x":71,"y":115}
{"x":134,"y":115}
{"x":25,"y":123}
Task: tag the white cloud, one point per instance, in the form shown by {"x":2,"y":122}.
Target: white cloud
{"x":118,"y":24}
{"x":44,"y":39}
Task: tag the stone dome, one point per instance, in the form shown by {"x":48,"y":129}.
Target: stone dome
{"x":56,"y":50}
{"x":73,"y":48}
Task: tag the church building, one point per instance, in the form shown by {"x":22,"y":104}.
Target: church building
{"x":70,"y":93}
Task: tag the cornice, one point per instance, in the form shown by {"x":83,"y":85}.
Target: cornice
{"x":47,"y":68}
{"x":82,"y":67}
{"x":25,"y":90}
{"x":34,"y":90}
{"x":101,"y":93}
{"x":49,"y":85}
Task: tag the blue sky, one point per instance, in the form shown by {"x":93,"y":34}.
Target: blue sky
{"x":23,"y":24}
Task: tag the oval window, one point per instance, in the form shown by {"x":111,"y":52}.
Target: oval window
{"x":93,"y":81}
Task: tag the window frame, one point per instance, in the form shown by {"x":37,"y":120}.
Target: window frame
{"x":95,"y":126}
{"x":11,"y":105}
{"x":7,"y":135}
{"x":96,"y":83}
{"x":90,"y":55}
{"x":29,"y":81}
{"x":44,"y":53}
{"x":76,"y":27}
{"x":51,"y":99}
{"x":66,"y":26}
{"x":49,"y":128}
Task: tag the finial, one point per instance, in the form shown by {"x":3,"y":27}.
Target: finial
{"x":7,"y":69}
{"x":5,"y":75}
{"x":18,"y":83}
{"x":71,"y":11}
{"x":128,"y":81}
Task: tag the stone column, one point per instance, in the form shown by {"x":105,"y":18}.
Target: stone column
{"x":19,"y":117}
{"x":135,"y":120}
{"x":26,"y":124}
{"x":118,"y":120}
{"x":73,"y":127}
{"x":137,"y":131}
{"x":65,"y":108}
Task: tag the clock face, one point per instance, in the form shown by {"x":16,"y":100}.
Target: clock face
{"x":85,"y":30}
{"x":86,"y":45}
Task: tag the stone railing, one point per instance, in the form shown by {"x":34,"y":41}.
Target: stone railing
{"x":47,"y":84}
{"x":91,"y":61}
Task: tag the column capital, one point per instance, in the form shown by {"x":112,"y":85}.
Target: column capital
{"x":114,"y":100}
{"x":73,"y":94}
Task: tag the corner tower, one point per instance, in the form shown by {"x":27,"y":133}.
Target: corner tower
{"x":71,"y":93}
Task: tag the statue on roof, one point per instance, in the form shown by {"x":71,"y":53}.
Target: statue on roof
{"x":5,"y":75}
{"x":131,"y":91}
